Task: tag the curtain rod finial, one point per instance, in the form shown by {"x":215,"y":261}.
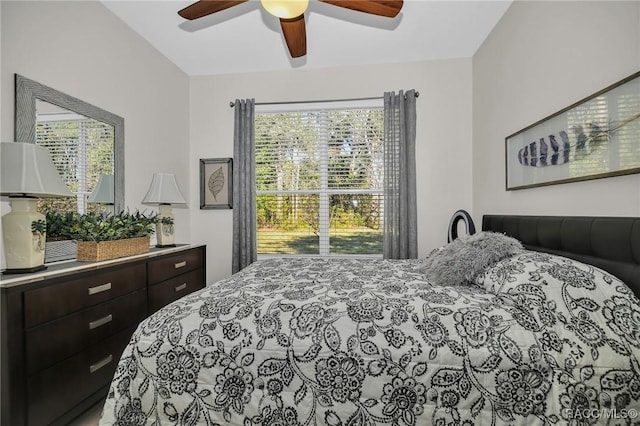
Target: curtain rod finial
{"x":231,"y":104}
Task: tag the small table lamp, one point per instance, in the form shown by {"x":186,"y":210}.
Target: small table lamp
{"x":103,"y":193}
{"x":164,"y":192}
{"x":27,"y":174}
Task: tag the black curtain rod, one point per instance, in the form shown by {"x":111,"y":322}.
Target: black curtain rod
{"x":232,"y":104}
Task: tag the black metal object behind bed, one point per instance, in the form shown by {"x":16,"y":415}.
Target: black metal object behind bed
{"x":610,"y":243}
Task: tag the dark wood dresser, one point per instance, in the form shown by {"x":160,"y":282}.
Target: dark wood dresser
{"x":64,"y":329}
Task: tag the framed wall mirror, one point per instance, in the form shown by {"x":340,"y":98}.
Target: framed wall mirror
{"x":85,"y":142}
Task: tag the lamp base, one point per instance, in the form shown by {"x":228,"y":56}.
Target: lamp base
{"x":165,"y":231}
{"x":23,"y":244}
{"x":24,"y":270}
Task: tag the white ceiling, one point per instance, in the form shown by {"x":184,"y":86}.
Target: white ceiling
{"x":246,"y":38}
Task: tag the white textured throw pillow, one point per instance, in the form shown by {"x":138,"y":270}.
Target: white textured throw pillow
{"x":460,"y":261}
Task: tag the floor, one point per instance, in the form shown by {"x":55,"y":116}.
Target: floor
{"x":89,"y":418}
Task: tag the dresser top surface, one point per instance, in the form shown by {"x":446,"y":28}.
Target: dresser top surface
{"x":66,"y":267}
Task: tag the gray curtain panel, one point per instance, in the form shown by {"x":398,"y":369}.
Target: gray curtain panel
{"x":400,"y":211}
{"x":244,"y":186}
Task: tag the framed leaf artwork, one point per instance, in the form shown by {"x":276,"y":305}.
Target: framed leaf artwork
{"x":216,"y":183}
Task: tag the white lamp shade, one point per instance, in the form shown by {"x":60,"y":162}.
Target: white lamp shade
{"x":103,"y":193}
{"x":164,"y":190}
{"x":27,"y":169}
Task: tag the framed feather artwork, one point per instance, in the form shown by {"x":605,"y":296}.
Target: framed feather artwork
{"x":594,"y":138}
{"x":216,"y":178}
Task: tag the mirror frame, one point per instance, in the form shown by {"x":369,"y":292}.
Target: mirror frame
{"x":26,"y":93}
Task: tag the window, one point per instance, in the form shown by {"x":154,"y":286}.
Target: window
{"x":319,"y":176}
{"x":81,"y":148}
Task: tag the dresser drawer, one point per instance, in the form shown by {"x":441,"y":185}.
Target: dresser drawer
{"x":173,"y":289}
{"x":54,"y":341}
{"x":171,"y":266}
{"x":51,"y":302}
{"x":52,"y":391}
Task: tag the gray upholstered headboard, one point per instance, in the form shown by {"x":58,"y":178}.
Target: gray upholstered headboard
{"x":610,"y":243}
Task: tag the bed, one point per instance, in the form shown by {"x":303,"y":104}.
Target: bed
{"x":545,"y":335}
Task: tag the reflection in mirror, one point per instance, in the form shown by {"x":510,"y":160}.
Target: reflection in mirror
{"x":85,"y":141}
{"x":82,"y":150}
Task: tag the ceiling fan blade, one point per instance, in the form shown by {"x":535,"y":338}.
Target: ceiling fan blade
{"x":207,"y":7}
{"x":295,"y":35}
{"x":388,"y":8}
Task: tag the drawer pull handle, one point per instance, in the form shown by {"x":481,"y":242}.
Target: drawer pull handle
{"x":181,"y":287}
{"x":180,"y":264}
{"x":99,"y":288}
{"x":98,"y":365}
{"x":100,"y":322}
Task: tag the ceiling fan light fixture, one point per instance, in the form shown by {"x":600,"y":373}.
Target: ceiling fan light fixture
{"x":286,"y":9}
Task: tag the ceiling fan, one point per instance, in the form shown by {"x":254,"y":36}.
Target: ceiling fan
{"x":291,"y":14}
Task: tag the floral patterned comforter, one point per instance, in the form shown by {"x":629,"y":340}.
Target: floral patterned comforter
{"x":539,"y":339}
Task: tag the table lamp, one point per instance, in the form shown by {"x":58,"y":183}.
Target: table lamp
{"x":27,"y":173}
{"x":103,"y":193}
{"x":164,"y":192}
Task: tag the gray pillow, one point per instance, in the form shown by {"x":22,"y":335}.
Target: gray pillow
{"x":460,"y":261}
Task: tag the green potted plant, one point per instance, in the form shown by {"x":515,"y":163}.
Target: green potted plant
{"x":103,"y":236}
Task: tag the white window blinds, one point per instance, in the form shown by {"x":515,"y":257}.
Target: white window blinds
{"x":81,"y":149}
{"x":319,"y":181}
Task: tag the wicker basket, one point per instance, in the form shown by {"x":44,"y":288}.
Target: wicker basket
{"x":90,"y":251}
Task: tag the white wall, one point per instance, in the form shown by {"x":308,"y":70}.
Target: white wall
{"x":443,"y":153}
{"x":82,"y":49}
{"x":540,"y":58}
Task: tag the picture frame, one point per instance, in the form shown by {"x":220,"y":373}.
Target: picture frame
{"x":216,"y":183}
{"x":596,"y":137}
